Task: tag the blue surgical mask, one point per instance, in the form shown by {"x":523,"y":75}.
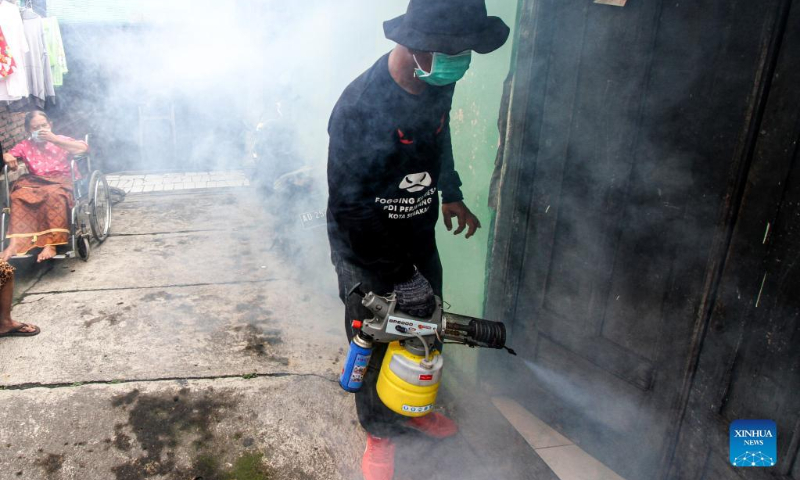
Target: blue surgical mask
{"x":445,"y":69}
{"x":35,"y":135}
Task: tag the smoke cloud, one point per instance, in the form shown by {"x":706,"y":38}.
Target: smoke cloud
{"x":209,"y":85}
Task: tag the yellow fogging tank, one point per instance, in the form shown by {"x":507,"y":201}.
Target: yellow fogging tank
{"x":405,"y":384}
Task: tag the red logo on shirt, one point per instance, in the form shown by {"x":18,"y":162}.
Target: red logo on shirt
{"x":403,"y":139}
{"x":441,"y":124}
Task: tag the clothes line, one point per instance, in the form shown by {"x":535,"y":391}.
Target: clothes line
{"x":32,"y":57}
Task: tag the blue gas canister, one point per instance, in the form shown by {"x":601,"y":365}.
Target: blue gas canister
{"x":355,"y":367}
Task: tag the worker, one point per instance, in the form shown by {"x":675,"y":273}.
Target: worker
{"x":390,"y":157}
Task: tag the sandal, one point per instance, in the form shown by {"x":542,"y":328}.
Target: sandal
{"x":17,"y":333}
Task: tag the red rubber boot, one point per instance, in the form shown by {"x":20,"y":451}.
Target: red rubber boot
{"x":378,"y":460}
{"x":434,"y":425}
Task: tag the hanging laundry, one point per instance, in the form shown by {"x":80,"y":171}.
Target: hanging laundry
{"x":37,"y":60}
{"x":15,"y":85}
{"x":55,"y":50}
{"x":7,"y":63}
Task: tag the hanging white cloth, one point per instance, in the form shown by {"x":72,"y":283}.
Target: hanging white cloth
{"x":40,"y":78}
{"x":14,"y":86}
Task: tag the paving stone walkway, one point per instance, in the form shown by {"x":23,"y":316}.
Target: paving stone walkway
{"x":164,"y":182}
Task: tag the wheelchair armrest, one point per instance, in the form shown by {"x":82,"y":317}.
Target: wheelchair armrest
{"x":83,"y":161}
{"x":13,"y":175}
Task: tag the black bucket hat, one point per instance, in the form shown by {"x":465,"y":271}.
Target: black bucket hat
{"x":447,"y":26}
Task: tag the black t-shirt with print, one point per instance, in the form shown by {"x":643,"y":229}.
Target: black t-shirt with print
{"x":389,"y":156}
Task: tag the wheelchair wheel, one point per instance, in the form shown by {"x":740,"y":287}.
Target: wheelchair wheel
{"x":99,"y":206}
{"x":83,"y":248}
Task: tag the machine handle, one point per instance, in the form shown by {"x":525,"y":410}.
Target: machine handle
{"x":357,"y":290}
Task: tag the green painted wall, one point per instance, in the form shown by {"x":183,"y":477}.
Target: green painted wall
{"x":475,"y":137}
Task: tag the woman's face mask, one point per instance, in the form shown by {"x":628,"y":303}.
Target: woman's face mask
{"x":35,"y":137}
{"x":445,"y":69}
{"x":39,"y":124}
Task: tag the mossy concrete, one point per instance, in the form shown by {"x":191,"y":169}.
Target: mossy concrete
{"x":263,"y":428}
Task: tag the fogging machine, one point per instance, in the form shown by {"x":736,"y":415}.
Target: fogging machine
{"x":412,"y":367}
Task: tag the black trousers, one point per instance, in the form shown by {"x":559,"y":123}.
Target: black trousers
{"x":375,"y":417}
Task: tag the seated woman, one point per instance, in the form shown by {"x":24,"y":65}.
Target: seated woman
{"x":41,"y":201}
{"x":8,"y":327}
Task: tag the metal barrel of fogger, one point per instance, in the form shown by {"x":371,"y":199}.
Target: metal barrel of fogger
{"x":474,"y":331}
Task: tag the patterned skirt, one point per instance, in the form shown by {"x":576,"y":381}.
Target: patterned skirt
{"x":40,"y":211}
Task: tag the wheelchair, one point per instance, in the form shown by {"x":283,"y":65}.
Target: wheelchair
{"x":90,"y":216}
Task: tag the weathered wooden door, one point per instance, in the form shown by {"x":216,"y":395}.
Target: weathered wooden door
{"x":630,"y":130}
{"x":749,"y":364}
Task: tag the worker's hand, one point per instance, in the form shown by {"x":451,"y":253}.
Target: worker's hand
{"x":11,"y":161}
{"x":48,"y":136}
{"x":415,"y":296}
{"x":465,"y":218}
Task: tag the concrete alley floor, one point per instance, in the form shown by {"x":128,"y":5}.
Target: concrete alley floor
{"x":193,"y":345}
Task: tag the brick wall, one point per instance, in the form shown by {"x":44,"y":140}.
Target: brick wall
{"x":12,"y":127}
